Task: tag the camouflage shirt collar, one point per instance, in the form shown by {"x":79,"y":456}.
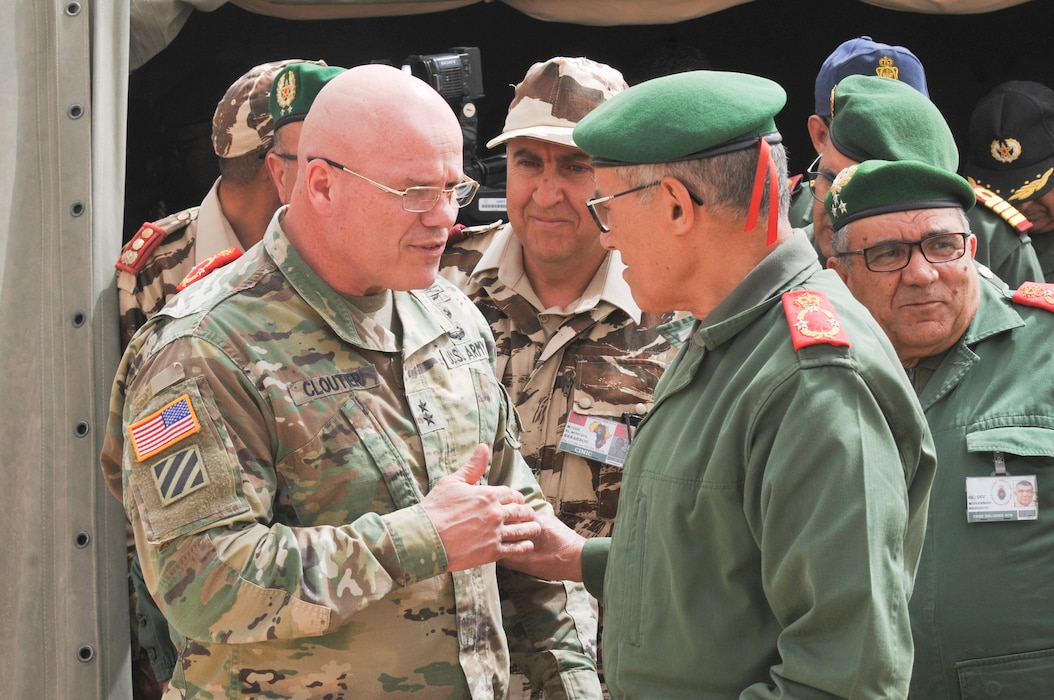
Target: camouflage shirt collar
{"x":504,"y":256}
{"x":346,"y":320}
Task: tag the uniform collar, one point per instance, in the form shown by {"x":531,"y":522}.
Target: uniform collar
{"x":503,"y":260}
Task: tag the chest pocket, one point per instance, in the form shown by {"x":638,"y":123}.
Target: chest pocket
{"x":609,"y":386}
{"x":1026,"y":448}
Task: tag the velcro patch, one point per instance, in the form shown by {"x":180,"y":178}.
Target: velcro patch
{"x":164,"y":428}
{"x":180,"y":475}
{"x":812,"y":319}
{"x":463,"y":353}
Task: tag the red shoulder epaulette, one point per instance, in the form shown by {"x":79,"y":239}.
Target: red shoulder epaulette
{"x":812,"y":319}
{"x":136,"y":252}
{"x":203,"y":268}
{"x":794,"y":182}
{"x":1003,"y":208}
{"x":1039,"y":294}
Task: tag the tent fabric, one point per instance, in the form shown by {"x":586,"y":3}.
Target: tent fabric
{"x":64,"y":606}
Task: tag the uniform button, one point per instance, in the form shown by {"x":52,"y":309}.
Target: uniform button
{"x":543,"y":318}
{"x":641,"y":409}
{"x":584,"y":402}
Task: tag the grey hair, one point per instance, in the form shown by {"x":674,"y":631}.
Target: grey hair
{"x":725,"y":182}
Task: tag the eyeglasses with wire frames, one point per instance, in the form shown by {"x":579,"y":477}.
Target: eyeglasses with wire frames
{"x":895,"y":255}
{"x":598,"y":206}
{"x":417,"y":199}
{"x":819,"y":182}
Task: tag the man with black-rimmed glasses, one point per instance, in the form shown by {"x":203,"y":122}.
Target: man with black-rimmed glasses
{"x":979,"y":358}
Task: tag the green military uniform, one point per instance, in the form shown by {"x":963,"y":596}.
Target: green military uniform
{"x":600,"y":360}
{"x":980,"y":612}
{"x":773,"y":506}
{"x":1044,"y":246}
{"x":281,"y":528}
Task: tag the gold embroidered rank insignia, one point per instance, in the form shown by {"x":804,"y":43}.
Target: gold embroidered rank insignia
{"x":1038,"y":294}
{"x":812,"y":319}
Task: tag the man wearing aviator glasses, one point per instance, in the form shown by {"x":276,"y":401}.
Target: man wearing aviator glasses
{"x":318,"y":463}
{"x":979,"y":358}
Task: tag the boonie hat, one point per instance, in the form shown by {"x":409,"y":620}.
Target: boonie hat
{"x":685,"y":116}
{"x":294,"y":89}
{"x":881,"y":187}
{"x":554,"y":96}
{"x":884,"y":119}
{"x":242,"y":122}
{"x":1011,"y":150}
{"x":864,"y":56}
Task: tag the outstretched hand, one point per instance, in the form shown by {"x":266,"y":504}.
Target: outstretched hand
{"x":557,"y":552}
{"x":477,"y":523}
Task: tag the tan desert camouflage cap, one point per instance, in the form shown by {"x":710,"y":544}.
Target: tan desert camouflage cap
{"x":242,"y":123}
{"x":555,"y":95}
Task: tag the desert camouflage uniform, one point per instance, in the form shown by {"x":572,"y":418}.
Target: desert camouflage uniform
{"x":145,"y":283}
{"x":285,"y":540}
{"x":604,"y":360}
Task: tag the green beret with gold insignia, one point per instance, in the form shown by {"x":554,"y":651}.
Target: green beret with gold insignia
{"x":877,"y":187}
{"x":684,"y":116}
{"x":294,"y":90}
{"x":877,"y":118}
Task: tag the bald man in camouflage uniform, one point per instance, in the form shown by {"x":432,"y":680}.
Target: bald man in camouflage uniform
{"x":578,"y":357}
{"x":234,"y":213}
{"x":297,"y":440}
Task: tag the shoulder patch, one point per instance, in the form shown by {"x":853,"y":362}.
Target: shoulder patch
{"x":163,"y":428}
{"x":1003,"y":208}
{"x":1038,"y":294}
{"x":812,"y":319}
{"x":203,"y":268}
{"x":136,"y":252}
{"x":460,"y":232}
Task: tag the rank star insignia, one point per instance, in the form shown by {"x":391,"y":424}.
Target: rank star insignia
{"x":1036,"y":294}
{"x":425,"y":413}
{"x":812,"y":319}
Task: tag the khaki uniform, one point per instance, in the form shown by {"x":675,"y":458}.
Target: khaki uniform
{"x":283,"y":533}
{"x":161,"y":254}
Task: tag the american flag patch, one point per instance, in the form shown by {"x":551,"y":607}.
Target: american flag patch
{"x":164,"y":428}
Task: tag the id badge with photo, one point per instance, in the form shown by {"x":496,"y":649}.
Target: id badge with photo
{"x":596,"y":437}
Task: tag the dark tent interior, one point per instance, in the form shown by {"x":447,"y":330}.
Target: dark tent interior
{"x":172,"y":96}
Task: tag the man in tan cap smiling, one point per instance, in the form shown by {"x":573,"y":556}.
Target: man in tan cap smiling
{"x":579,"y":358}
{"x":774,"y":498}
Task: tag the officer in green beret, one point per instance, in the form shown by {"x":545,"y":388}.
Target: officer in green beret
{"x":880,"y":118}
{"x":293,"y":90}
{"x":774,"y":498}
{"x":979,"y":358}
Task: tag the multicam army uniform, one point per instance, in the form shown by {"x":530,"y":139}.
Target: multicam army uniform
{"x":282,"y":530}
{"x":160,"y":255}
{"x":604,"y":359}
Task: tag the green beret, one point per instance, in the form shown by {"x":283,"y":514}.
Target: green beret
{"x":683,"y":116}
{"x":886,"y":119}
{"x":295,"y":88}
{"x":880,"y":186}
